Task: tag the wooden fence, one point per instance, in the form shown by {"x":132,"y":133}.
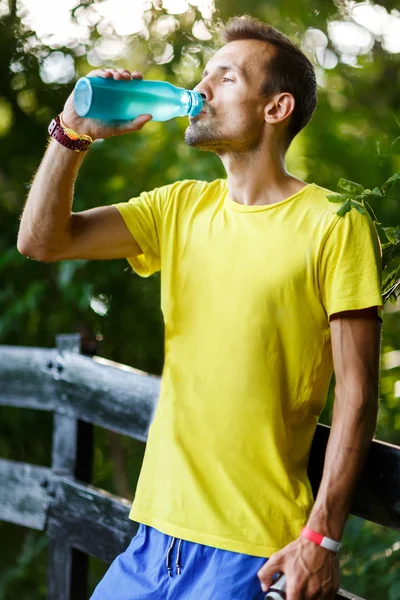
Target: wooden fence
{"x":82,"y":520}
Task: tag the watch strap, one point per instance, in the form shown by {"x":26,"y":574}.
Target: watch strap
{"x":321,"y":540}
{"x":68,"y":137}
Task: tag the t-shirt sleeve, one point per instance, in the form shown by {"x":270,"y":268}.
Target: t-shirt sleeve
{"x":350,"y":265}
{"x":143,"y":216}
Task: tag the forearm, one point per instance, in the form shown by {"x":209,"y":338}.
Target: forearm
{"x":46,"y":216}
{"x":353,"y":427}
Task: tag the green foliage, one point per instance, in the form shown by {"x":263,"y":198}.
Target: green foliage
{"x":356,"y":197}
{"x":375,"y":575}
{"x":16,"y":580}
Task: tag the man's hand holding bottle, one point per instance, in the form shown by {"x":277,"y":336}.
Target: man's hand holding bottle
{"x":96,"y":128}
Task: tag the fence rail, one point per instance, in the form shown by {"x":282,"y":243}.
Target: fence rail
{"x":79,"y":387}
{"x":81,"y":519}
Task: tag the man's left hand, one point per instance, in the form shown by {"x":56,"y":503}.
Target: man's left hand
{"x":312,"y":572}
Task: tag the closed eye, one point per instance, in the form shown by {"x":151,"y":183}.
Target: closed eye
{"x":227,"y":79}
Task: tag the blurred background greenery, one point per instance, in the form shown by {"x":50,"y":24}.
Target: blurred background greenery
{"x":45,"y":45}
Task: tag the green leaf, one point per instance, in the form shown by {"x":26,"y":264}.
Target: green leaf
{"x":350,"y":186}
{"x":395,"y":141}
{"x":338,"y":197}
{"x":358,"y":207}
{"x":346,"y":206}
{"x":391,"y":279}
{"x":392,"y":234}
{"x":394,"y":193}
{"x":376,"y":192}
{"x":390,"y":291}
{"x":390,"y":183}
{"x":389,"y":253}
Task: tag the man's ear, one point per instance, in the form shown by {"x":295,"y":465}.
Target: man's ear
{"x":279,"y":108}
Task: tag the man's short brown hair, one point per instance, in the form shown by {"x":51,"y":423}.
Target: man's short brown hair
{"x":288,"y":70}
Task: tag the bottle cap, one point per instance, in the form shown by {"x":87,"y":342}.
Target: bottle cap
{"x":83,"y":94}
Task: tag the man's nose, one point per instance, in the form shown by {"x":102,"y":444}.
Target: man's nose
{"x":204,"y":91}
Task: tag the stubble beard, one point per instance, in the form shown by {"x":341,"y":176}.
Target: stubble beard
{"x":205,"y":136}
{"x":209,"y":137}
{"x":202,"y":136}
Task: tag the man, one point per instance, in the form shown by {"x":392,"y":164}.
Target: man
{"x":264,"y":290}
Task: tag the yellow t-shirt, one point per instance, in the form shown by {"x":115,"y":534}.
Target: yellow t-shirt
{"x":246,"y":296}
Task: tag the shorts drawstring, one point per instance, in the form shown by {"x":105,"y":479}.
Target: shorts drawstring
{"x":178,"y":555}
{"x":171,"y":547}
{"x":178,"y":566}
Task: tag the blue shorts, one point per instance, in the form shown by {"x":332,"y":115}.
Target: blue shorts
{"x":159,"y":567}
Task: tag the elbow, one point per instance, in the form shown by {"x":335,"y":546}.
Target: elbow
{"x":23,"y":247}
{"x":39,"y":253}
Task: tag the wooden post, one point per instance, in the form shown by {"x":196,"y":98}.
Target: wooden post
{"x":72,"y":455}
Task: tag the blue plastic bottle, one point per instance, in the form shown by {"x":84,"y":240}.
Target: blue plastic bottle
{"x":110,"y":99}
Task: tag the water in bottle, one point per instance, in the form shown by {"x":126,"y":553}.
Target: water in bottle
{"x":113,"y":100}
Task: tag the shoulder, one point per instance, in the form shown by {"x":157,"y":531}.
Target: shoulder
{"x":318,"y":198}
{"x":355,"y":230}
{"x":187,"y":193}
{"x":325,"y":212}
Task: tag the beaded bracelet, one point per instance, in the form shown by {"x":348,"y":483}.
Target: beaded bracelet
{"x":73,"y":135}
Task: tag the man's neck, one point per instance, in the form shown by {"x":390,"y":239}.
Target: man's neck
{"x":256,"y":178}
